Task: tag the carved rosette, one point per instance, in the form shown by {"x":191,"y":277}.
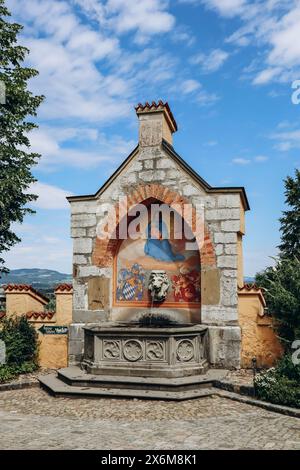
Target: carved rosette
{"x":111,"y":349}
{"x":185,"y":350}
{"x":155,"y":351}
{"x":132,"y":350}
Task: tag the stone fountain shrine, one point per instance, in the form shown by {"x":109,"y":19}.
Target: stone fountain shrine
{"x":154,"y":316}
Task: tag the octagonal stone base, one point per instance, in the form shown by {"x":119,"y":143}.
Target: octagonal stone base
{"x":131,"y":350}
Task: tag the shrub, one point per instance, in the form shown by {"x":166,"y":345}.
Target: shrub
{"x":9,"y":372}
{"x":21,"y":341}
{"x":286,"y":368}
{"x":280,"y":385}
{"x":281,"y":286}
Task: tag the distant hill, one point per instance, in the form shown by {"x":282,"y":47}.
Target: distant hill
{"x":249,"y":280}
{"x":43,"y":280}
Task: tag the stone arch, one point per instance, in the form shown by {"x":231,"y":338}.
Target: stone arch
{"x":105,"y":249}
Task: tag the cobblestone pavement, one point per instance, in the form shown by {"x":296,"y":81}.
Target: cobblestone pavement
{"x":31,"y":419}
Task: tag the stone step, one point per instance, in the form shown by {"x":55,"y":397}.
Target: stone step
{"x":76,"y":377}
{"x":57,"y":387}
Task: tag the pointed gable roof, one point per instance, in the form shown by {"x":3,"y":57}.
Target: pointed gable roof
{"x":169,"y":149}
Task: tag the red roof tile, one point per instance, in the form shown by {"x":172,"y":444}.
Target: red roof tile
{"x":40,"y":315}
{"x":24,"y":288}
{"x":250,"y":286}
{"x":160,"y":104}
{"x":64,"y":287}
{"x":34,"y":315}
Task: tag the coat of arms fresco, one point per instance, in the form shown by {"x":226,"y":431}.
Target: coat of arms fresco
{"x":158,"y":249}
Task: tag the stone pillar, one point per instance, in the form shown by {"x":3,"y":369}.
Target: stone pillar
{"x":156,"y":123}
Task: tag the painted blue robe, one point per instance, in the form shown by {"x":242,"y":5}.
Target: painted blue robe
{"x":161,"y":249}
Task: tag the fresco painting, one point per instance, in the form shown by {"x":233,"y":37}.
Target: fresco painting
{"x":158,"y":249}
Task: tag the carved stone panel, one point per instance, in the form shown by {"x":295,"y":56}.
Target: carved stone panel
{"x":155,"y":351}
{"x":111,"y":349}
{"x":133,"y":350}
{"x":185,"y":350}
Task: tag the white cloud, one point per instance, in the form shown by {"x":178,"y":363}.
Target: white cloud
{"x":278,"y":29}
{"x":257,"y":260}
{"x":204,"y":98}
{"x":261,"y":158}
{"x":183,"y":34}
{"x":226,"y":7}
{"x":188,"y":86}
{"x":77,"y":147}
{"x":49,"y":197}
{"x":84,"y":72}
{"x":146,"y":18}
{"x":210,"y":62}
{"x":246,"y":161}
{"x":210,"y":143}
{"x":272,"y":25}
{"x":241,"y":161}
{"x":67,"y":54}
{"x":286,"y":140}
{"x":265,"y":76}
{"x":41,"y":252}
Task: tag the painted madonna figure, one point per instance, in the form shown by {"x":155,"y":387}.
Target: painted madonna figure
{"x":158,"y":245}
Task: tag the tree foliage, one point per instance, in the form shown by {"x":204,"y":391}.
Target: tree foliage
{"x":282,"y":282}
{"x":290,"y":221}
{"x":16,"y":160}
{"x":21,"y":340}
{"x":282,"y":292}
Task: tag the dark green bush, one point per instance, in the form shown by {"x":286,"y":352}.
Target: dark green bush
{"x":21,"y":340}
{"x":286,"y":368}
{"x":281,"y":285}
{"x":280,"y":384}
{"x":9,"y":372}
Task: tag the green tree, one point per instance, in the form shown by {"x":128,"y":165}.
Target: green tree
{"x":282,"y":282}
{"x":16,"y":160}
{"x":281,"y":285}
{"x":290,"y":221}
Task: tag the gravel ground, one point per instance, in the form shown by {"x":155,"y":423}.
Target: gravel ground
{"x":32,"y":419}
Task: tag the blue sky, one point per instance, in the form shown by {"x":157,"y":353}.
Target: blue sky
{"x":226,"y":68}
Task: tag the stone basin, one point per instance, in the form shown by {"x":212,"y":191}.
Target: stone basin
{"x":147,"y":351}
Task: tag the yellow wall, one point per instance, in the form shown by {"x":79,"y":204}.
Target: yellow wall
{"x":18,"y":303}
{"x":63,"y":308}
{"x":258,"y":336}
{"x":53,"y":349}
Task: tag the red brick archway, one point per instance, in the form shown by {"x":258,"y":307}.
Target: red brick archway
{"x":105,"y":249}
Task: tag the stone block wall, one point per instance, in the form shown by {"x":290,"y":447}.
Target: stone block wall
{"x":154,"y":167}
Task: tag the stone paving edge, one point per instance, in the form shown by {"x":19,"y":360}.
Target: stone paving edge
{"x":223,"y":389}
{"x":18,"y":385}
{"x":286,"y":410}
